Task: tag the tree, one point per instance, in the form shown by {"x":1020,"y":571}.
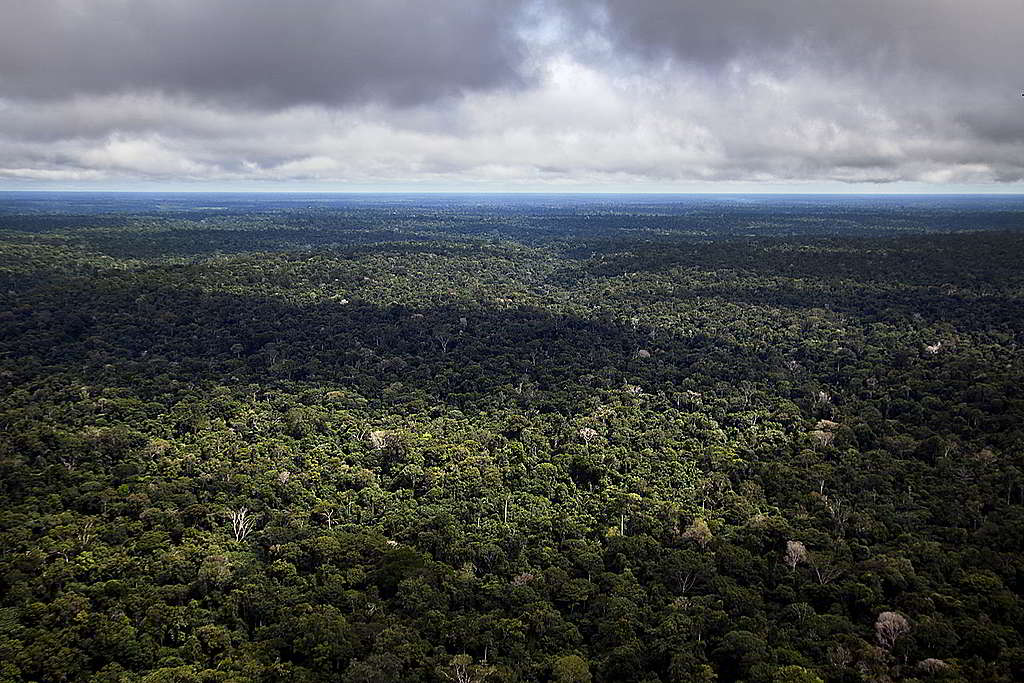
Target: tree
{"x":461,"y":669}
{"x":796,"y":553}
{"x":242,"y":522}
{"x":825,"y":568}
{"x":795,"y":674}
{"x":698,"y":532}
{"x":570,"y":669}
{"x":889,"y":627}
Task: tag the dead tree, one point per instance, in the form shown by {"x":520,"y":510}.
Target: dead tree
{"x":824,"y":570}
{"x":242,"y":522}
{"x":796,"y":553}
{"x":838,"y":511}
{"x":889,"y":627}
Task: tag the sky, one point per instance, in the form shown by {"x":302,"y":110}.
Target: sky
{"x":513,"y":95}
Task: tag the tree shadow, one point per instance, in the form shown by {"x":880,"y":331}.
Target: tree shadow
{"x":174,"y":339}
{"x":966,"y":280}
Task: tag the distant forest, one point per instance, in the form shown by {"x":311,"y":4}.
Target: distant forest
{"x":495,"y":438}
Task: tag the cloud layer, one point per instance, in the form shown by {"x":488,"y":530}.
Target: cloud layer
{"x":500,"y":94}
{"x":260,"y":52}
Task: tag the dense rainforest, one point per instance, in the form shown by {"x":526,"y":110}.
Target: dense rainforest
{"x":500,"y":438}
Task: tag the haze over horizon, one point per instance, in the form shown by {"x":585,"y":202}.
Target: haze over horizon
{"x":515,"y":95}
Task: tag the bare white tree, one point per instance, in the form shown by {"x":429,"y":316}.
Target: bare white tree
{"x":796,"y":553}
{"x":889,"y":626}
{"x":85,"y":533}
{"x":458,"y":672}
{"x":379,"y":439}
{"x":443,"y":339}
{"x":242,"y":522}
{"x":462,"y":670}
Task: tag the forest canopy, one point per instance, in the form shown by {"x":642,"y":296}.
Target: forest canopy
{"x":511,"y":438}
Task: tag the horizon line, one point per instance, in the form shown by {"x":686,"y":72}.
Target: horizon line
{"x":768,"y":193}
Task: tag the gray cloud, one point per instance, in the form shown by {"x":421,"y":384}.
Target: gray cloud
{"x":955,"y":39}
{"x":261,"y":51}
{"x":505,"y":94}
{"x":927,"y":58}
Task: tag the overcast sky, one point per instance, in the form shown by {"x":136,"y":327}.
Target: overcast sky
{"x":506,"y":95}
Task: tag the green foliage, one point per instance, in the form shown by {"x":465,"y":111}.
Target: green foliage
{"x":443,"y":441}
{"x":570,"y":669}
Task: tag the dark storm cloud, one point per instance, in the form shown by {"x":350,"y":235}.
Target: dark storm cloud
{"x":270,"y":52}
